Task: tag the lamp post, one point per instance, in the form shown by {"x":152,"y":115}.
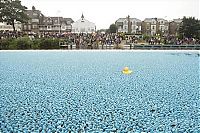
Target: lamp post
{"x":58,"y":12}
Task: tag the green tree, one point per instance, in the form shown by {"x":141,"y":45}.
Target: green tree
{"x":11,"y":11}
{"x":113,"y":28}
{"x":190,"y":28}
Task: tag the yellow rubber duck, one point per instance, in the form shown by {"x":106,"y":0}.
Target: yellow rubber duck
{"x":126,"y":70}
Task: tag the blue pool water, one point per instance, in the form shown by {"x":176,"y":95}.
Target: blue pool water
{"x":57,"y":91}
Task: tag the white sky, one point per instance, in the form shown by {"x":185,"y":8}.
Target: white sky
{"x":105,"y":12}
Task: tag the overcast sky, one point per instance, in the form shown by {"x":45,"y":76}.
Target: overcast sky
{"x":105,"y":12}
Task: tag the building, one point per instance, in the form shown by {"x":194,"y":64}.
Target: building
{"x":150,"y":26}
{"x":39,"y":23}
{"x":174,"y":26}
{"x":129,"y":25}
{"x":83,"y":26}
{"x":163,"y":27}
{"x":6,"y":27}
{"x":35,"y":19}
{"x":153,"y":26}
{"x":56,"y":24}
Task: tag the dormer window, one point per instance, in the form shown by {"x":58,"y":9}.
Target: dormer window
{"x":125,"y":22}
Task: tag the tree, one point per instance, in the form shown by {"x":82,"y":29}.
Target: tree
{"x":11,"y":11}
{"x":113,"y":28}
{"x":190,"y":28}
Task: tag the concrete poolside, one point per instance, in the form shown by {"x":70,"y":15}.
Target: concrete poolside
{"x":101,"y":50}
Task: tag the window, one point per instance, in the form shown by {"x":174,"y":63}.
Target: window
{"x":68,"y":27}
{"x":125,"y":22}
{"x":162,"y":28}
{"x":153,"y":27}
{"x":35,"y":14}
{"x":35,"y":20}
{"x":35,"y":26}
{"x":153,"y":22}
{"x":29,"y":27}
{"x":125,"y":27}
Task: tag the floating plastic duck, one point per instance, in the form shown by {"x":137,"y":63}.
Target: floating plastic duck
{"x":126,"y":70}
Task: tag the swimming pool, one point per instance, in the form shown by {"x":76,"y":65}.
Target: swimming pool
{"x":79,"y":91}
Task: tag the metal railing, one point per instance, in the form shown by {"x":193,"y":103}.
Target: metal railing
{"x":129,"y":46}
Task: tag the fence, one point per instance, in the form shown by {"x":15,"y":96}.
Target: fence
{"x":129,"y":46}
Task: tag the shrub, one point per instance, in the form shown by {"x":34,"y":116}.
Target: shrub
{"x":12,"y":44}
{"x":146,"y":37}
{"x":4,"y":44}
{"x":24,"y":43}
{"x":36,"y":44}
{"x":49,"y":44}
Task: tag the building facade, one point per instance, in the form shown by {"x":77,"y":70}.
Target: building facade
{"x":35,"y":19}
{"x":129,"y":25}
{"x":153,"y":26}
{"x":39,"y":23}
{"x":56,"y":24}
{"x":83,"y":26}
{"x":163,"y":27}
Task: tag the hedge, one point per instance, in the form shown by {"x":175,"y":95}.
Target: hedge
{"x":27,"y":43}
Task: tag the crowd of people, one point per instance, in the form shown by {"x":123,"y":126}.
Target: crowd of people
{"x":93,"y":40}
{"x":83,"y":40}
{"x":184,"y":41}
{"x":173,"y":40}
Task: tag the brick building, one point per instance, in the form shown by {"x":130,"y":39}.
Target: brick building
{"x":153,"y":26}
{"x":39,"y":23}
{"x":35,"y":19}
